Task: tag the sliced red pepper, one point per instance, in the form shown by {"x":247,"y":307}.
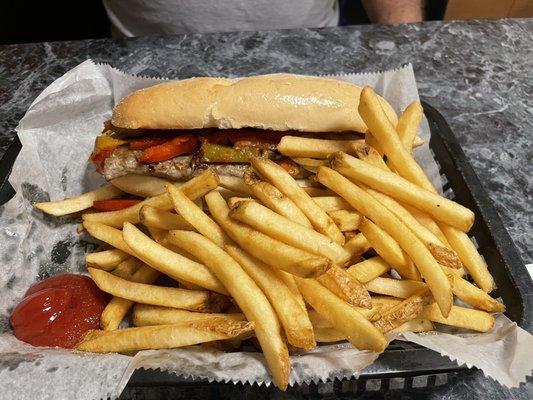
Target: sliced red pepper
{"x":144,"y":143}
{"x":114,"y":204}
{"x":178,"y":146}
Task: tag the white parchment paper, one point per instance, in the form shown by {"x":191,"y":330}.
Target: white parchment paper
{"x":57,"y":134}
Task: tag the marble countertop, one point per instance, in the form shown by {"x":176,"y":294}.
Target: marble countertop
{"x":476,"y":73}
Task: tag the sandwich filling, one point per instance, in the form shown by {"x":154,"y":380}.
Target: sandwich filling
{"x":181,"y":154}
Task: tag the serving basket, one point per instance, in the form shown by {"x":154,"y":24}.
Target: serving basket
{"x":402,"y":365}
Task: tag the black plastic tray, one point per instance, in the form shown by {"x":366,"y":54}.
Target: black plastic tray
{"x":402,"y":362}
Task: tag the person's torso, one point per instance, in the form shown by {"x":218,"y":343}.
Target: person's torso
{"x":149,"y":17}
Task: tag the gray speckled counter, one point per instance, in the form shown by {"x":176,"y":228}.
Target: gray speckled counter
{"x":477,"y":73}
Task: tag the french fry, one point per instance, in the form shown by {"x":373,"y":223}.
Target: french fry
{"x":106,"y":259}
{"x":408,"y":124}
{"x":403,"y":190}
{"x":146,"y":315}
{"x":332,"y":203}
{"x":375,"y":118}
{"x":360,"y":332}
{"x":344,"y":285}
{"x":460,"y":317}
{"x":415,"y":325}
{"x":346,"y":220}
{"x":193,"y":189}
{"x":164,"y":336}
{"x":165,"y":220}
{"x":78,"y":203}
{"x":127,"y":268}
{"x":387,"y":302}
{"x":415,"y":249}
{"x":232,"y":201}
{"x":109,"y":235}
{"x":474,"y":295}
{"x":389,"y":249}
{"x":195,"y":216}
{"x":168,"y":262}
{"x":408,"y":309}
{"x":140,"y":185}
{"x":271,"y":251}
{"x":367,"y":270}
{"x":274,"y":199}
{"x":118,"y":307}
{"x":470,"y":257}
{"x":296,"y":146}
{"x":235,"y":184}
{"x":293,"y":318}
{"x":310,"y":164}
{"x":428,"y":222}
{"x":193,"y":300}
{"x":357,"y":245}
{"x":442,"y":254}
{"x":394,"y":287}
{"x":328,"y":335}
{"x":280,"y":228}
{"x":370,"y":155}
{"x":288,"y":186}
{"x":317,"y":191}
{"x":291,"y":284}
{"x":248,"y":297}
{"x":319,"y":321}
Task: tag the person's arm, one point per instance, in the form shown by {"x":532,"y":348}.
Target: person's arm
{"x":394,"y":11}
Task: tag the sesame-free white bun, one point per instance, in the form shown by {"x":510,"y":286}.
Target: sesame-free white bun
{"x":277,"y":102}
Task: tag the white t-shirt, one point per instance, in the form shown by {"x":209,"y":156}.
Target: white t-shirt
{"x":152,"y":17}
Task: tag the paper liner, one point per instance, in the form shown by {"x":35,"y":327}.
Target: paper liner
{"x":57,"y":134}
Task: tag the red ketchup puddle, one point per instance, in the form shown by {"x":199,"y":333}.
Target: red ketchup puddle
{"x":58,"y":311}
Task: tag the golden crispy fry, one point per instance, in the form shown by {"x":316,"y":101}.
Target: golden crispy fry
{"x":394,"y":287}
{"x":357,"y":245}
{"x":280,"y":228}
{"x":235,"y":184}
{"x":296,"y":146}
{"x":310,"y":164}
{"x":248,"y":297}
{"x":475,"y":296}
{"x":386,"y":135}
{"x":408,"y":309}
{"x":370,"y":155}
{"x":127,"y":268}
{"x":343,"y":317}
{"x":80,"y":228}
{"x":442,"y":254}
{"x":318,"y":321}
{"x":332,"y":203}
{"x":164,"y":336}
{"x":367,"y":270}
{"x":389,"y":250}
{"x":196,"y":217}
{"x":165,"y":220}
{"x":107,"y":259}
{"x":472,"y":260}
{"x":293,"y":318}
{"x":272,"y":252}
{"x":415,"y":325}
{"x":460,"y":317}
{"x":168,"y":262}
{"x":439,"y":207}
{"x":346,"y":220}
{"x":387,"y":302}
{"x":109,"y":235}
{"x":291,"y":284}
{"x":78,"y":203}
{"x":118,"y":307}
{"x":274,"y":199}
{"x":317,"y":191}
{"x":408,"y":124}
{"x":428,"y":222}
{"x":140,"y":185}
{"x":193,"y":189}
{"x":232,"y":201}
{"x":193,"y":300}
{"x":146,"y":315}
{"x":328,"y":335}
{"x":344,"y":285}
{"x":288,"y":186}
{"x":415,"y":249}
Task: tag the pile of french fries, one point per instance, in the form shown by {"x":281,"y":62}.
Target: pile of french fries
{"x":365,"y":247}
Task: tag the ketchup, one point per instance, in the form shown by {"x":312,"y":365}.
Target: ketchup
{"x":58,"y":311}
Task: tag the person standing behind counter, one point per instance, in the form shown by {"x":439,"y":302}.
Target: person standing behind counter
{"x":152,"y":17}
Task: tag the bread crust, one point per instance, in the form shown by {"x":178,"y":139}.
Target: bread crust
{"x":278,"y":102}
